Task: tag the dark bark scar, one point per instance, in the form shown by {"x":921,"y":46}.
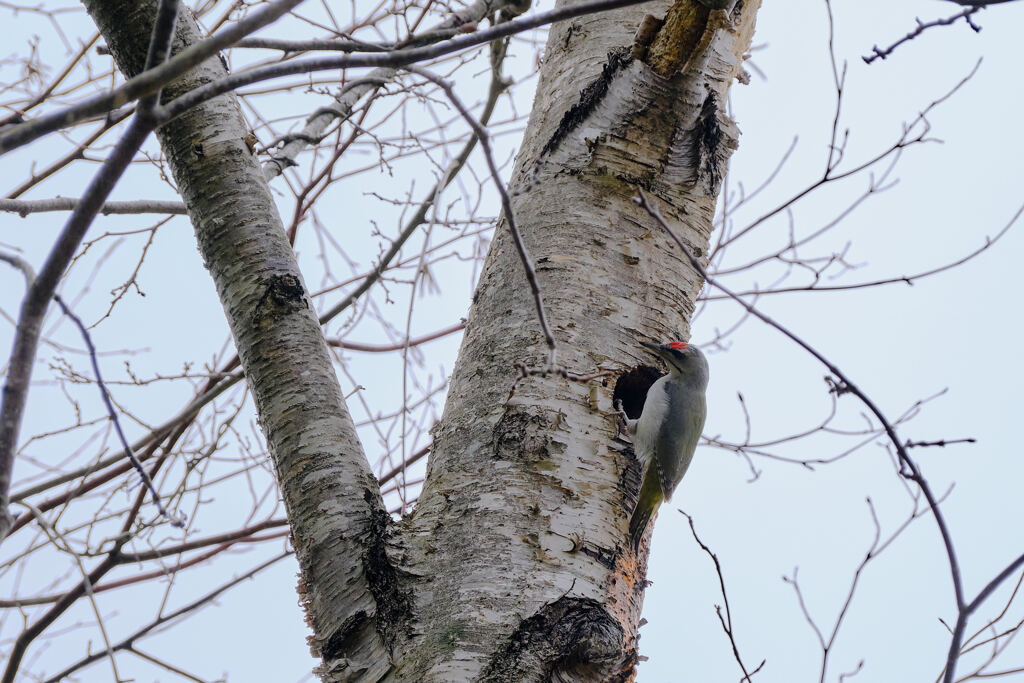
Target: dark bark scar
{"x":284,"y":294}
{"x":571,"y":637}
{"x":394,"y":603}
{"x":339,"y":642}
{"x":709,"y":145}
{"x":590,"y":97}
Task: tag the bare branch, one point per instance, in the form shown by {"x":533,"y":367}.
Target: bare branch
{"x":26,"y":207}
{"x":922,"y":26}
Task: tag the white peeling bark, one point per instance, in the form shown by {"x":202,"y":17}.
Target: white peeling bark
{"x":520,"y":532}
{"x":333,"y":501}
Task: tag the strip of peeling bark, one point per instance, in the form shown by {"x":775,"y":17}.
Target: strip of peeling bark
{"x":353,"y":601}
{"x":520,"y":531}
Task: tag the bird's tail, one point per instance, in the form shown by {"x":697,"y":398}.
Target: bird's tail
{"x":648,"y":501}
{"x":638,"y":525}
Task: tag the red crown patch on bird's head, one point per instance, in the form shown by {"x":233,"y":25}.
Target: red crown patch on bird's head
{"x":677,"y":345}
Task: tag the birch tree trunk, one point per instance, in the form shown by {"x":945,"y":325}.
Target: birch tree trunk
{"x":514,"y":565}
{"x":521,"y":525}
{"x":332,"y":498}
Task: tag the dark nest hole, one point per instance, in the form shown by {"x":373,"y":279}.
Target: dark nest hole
{"x":631,"y":388}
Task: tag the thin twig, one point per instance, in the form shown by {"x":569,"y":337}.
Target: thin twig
{"x":60,"y":542}
{"x":398,"y":346}
{"x":176,"y":519}
{"x":21,"y":264}
{"x":941,"y":443}
{"x":922,"y":26}
{"x":727,"y":621}
{"x":506,"y":205}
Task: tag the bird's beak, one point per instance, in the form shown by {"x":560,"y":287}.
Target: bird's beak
{"x":656,"y":348}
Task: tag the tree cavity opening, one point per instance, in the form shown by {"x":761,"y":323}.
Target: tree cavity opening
{"x":631,"y":388}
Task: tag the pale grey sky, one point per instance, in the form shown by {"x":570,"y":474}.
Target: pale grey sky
{"x":956,"y":331}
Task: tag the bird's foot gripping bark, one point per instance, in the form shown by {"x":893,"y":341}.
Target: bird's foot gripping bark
{"x":626,"y":426}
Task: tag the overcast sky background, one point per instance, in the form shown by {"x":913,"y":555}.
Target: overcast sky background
{"x":958,"y":331}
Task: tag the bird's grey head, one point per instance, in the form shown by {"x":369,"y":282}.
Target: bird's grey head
{"x":683,"y":359}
